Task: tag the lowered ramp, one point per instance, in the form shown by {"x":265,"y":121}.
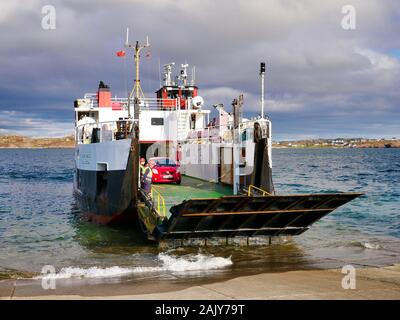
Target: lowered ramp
{"x":249,"y":216}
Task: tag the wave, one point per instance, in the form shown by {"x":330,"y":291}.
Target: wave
{"x":40,"y":176}
{"x":366,"y":245}
{"x":199,"y":262}
{"x":389,"y":170}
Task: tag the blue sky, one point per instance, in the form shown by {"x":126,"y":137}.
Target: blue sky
{"x":321,"y":80}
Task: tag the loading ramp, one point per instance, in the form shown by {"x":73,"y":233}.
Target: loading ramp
{"x":196,"y":211}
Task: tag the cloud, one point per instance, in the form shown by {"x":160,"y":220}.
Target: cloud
{"x":315,"y":69}
{"x":13,"y":122}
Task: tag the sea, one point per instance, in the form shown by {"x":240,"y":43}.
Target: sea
{"x":40,"y":224}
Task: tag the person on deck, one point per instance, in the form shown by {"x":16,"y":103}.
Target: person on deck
{"x":142,"y":166}
{"x":147,"y":177}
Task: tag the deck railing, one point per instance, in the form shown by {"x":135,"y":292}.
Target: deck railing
{"x":103,"y":131}
{"x":158,"y":202}
{"x":250,"y":191}
{"x":208,"y":133}
{"x":222,"y":134}
{"x":90,"y":101}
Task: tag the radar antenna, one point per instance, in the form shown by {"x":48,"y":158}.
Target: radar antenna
{"x":184,"y":74}
{"x":167,"y":73}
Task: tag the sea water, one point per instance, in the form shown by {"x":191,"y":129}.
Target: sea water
{"x":40,"y":224}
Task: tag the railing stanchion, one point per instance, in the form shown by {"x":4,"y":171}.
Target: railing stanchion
{"x":263,"y":192}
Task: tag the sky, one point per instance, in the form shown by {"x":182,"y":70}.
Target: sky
{"x":322,"y":80}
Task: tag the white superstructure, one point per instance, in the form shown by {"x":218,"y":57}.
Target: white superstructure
{"x":175,"y":123}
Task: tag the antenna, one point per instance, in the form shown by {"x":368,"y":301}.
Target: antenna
{"x":137,"y":91}
{"x":193,"y":75}
{"x":262,"y":74}
{"x":127,"y":45}
{"x":184,"y":74}
{"x":167,"y":73}
{"x":159,"y":70}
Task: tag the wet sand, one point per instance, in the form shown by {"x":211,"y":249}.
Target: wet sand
{"x":371,"y":283}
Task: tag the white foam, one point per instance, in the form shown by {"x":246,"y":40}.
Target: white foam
{"x":197,"y":262}
{"x":368,"y":245}
{"x":193,"y":263}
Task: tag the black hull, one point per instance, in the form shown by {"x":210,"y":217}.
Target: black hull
{"x":101,"y":196}
{"x":107,"y":196}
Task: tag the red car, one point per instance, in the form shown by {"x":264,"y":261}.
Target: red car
{"x":166,"y":171}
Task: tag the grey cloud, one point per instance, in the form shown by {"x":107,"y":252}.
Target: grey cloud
{"x":314,"y":67}
{"x":14,"y":122}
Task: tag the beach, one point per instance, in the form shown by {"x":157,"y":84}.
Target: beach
{"x":371,"y":283}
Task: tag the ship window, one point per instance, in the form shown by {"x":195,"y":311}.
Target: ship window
{"x":172,"y":94}
{"x":188,"y":94}
{"x":157,"y":121}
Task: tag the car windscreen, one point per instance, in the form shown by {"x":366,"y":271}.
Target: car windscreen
{"x":165,"y":163}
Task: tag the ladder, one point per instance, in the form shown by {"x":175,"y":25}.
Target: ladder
{"x":182,"y":124}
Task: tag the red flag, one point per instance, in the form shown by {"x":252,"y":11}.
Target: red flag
{"x":121,"y":53}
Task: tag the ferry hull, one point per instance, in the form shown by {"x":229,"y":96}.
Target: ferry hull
{"x":108,"y":205}
{"x":106,"y":180}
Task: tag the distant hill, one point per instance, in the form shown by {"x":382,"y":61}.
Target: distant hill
{"x":14,"y":141}
{"x":340,"y":143}
{"x":27,"y":142}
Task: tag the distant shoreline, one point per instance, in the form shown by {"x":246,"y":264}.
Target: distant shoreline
{"x":334,"y":147}
{"x":52,"y":147}
{"x":23,"y":142}
{"x":273,"y":147}
{"x":339,"y":143}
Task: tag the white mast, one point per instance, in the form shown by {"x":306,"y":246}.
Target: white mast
{"x":137,"y":92}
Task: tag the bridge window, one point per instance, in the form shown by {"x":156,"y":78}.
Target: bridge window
{"x":157,"y":121}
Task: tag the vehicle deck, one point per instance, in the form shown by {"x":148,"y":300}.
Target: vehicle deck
{"x":190,"y":188}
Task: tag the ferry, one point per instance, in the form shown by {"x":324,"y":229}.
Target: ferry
{"x":225,"y":193}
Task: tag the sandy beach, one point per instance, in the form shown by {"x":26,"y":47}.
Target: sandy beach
{"x":371,"y":283}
